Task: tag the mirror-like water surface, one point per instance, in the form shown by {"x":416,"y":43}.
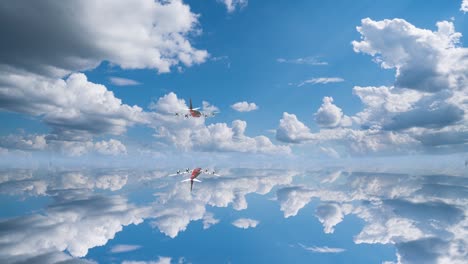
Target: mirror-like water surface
{"x":334,"y":215}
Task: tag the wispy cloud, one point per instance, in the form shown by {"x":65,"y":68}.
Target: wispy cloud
{"x":305,"y":60}
{"x":123,"y":81}
{"x":321,"y":80}
{"x":124,"y":248}
{"x":232,"y":5}
{"x":322,"y":249}
{"x":161,"y":260}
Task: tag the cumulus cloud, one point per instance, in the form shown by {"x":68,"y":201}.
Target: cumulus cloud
{"x":353,"y":141}
{"x":193,"y":134}
{"x":111,"y":147}
{"x":209,"y":220}
{"x":424,"y":111}
{"x":23,"y":142}
{"x":464,"y":6}
{"x":292,"y":130}
{"x":330,"y":115}
{"x":426,"y":62}
{"x":74,"y":108}
{"x":124,"y":248}
{"x":153,"y":35}
{"x":245,"y":223}
{"x":232,"y":5}
{"x":244,"y":106}
{"x":423,"y":59}
{"x":321,"y":80}
{"x":123,"y":81}
{"x":77,"y":148}
{"x":323,"y":249}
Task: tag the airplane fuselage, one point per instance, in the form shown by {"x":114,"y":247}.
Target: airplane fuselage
{"x":195,"y":113}
{"x":195,"y":173}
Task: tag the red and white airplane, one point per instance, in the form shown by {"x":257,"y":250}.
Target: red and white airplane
{"x":194,"y":174}
{"x":195,"y":113}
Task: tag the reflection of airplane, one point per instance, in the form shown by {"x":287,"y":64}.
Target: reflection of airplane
{"x":194,"y":174}
{"x":193,"y":112}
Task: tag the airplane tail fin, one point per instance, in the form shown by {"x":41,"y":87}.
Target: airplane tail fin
{"x":191,"y":104}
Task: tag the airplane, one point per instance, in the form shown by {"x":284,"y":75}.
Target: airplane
{"x":195,"y":113}
{"x":194,"y":174}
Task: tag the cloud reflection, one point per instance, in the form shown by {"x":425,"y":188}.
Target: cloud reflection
{"x":423,"y":216}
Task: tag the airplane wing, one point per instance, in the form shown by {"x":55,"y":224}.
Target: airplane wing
{"x":182,"y":172}
{"x":210,"y":172}
{"x":208,"y":114}
{"x":182,"y":114}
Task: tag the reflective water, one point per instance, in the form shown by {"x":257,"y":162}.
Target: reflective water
{"x":326,"y":215}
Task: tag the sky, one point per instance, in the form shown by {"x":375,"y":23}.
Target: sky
{"x":91,"y":80}
{"x":340,"y":134}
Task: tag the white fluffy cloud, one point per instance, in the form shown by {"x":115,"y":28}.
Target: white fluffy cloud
{"x":292,"y":130}
{"x":193,"y":134}
{"x":244,"y":106}
{"x":245,"y":223}
{"x":330,"y":115}
{"x":153,"y":35}
{"x":464,"y":6}
{"x":78,"y":148}
{"x":423,"y":111}
{"x":424,"y":60}
{"x":23,"y":142}
{"x":111,"y":147}
{"x":209,"y":220}
{"x":232,"y":5}
{"x":75,"y":108}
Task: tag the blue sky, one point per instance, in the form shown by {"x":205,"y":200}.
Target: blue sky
{"x":341,"y":133}
{"x":321,"y":80}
